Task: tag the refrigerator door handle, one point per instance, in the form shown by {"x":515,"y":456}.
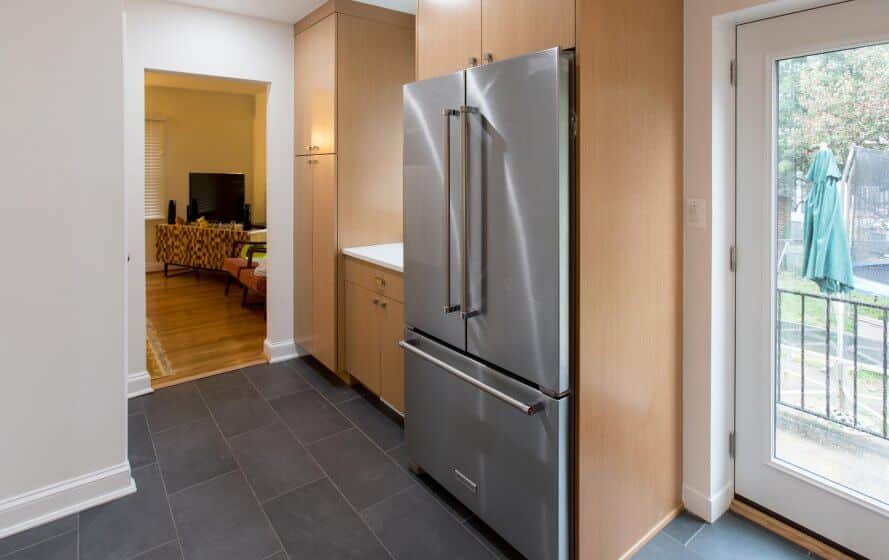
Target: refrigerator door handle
{"x":446,"y":115}
{"x":465,"y":311}
{"x":525,"y":408}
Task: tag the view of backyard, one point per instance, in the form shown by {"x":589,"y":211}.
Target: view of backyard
{"x":832,"y":415}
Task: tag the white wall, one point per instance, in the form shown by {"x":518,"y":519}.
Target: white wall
{"x":62,"y":363}
{"x":708,"y":331}
{"x":177,"y":38}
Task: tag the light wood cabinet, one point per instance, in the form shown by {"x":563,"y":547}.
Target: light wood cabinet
{"x":303,"y":240}
{"x":391,"y":355}
{"x":459,"y":34}
{"x":324,"y":257}
{"x":314,"y":88}
{"x":374,"y":326}
{"x":315,"y":256}
{"x":514,"y":27}
{"x":362,"y":336}
{"x":351,"y":60}
{"x":449,"y":36}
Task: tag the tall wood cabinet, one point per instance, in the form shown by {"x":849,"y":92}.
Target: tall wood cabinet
{"x":350,"y":63}
{"x":455,"y":35}
{"x":315,"y":89}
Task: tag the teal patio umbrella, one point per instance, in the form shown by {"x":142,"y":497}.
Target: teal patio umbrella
{"x":826,"y":257}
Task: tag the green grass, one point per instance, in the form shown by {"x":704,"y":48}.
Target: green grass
{"x":791,"y":304}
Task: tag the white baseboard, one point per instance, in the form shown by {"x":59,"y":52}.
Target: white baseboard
{"x":138,"y":383}
{"x":55,"y":501}
{"x":708,"y":508}
{"x":281,"y":351}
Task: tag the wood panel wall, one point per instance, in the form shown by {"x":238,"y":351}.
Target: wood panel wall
{"x":629,"y":205}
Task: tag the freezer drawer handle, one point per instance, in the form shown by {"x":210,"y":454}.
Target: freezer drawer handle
{"x":529,"y":409}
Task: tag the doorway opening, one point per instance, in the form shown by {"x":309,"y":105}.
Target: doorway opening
{"x":205,"y":225}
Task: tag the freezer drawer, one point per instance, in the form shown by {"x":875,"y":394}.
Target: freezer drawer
{"x":507,"y":464}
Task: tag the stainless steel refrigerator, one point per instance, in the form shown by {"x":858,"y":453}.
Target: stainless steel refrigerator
{"x":488,"y":189}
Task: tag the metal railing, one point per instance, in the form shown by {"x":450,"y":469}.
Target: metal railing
{"x":827,"y":412}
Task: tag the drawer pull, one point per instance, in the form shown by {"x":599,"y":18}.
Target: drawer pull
{"x":529,"y":409}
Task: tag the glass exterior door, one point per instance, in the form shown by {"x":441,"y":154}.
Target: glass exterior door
{"x":812,"y":393}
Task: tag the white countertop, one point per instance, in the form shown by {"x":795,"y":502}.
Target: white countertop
{"x":390,"y":255}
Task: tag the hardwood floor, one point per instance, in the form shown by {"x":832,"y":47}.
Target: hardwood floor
{"x":200,"y":329}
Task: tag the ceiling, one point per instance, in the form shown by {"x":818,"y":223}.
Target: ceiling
{"x":288,"y":11}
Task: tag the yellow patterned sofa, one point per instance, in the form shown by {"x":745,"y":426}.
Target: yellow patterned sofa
{"x":196,"y":247}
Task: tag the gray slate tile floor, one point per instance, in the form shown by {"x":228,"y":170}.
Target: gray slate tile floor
{"x":284,"y":462}
{"x":730,"y":538}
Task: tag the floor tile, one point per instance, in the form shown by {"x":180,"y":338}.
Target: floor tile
{"x":273,"y":461}
{"x":172,"y":406}
{"x":235,"y":404}
{"x":326,"y":383}
{"x":383,"y":430}
{"x":63,"y":547}
{"x":37,"y":534}
{"x":136,"y":405}
{"x":452,"y":504}
{"x":362,"y":472}
{"x":665,"y":547}
{"x":221,"y":520}
{"x":684,"y":527}
{"x":496,"y":545}
{"x":413,"y":525}
{"x":169,"y":551}
{"x":276,"y":380}
{"x":192,"y":453}
{"x":130,"y":525}
{"x":309,"y":416}
{"x":732,"y":537}
{"x":139,"y":446}
{"x":316,"y":522}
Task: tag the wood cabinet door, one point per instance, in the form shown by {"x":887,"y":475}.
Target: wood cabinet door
{"x":362,"y":332}
{"x":303,"y":265}
{"x":324,"y":259}
{"x":449,"y":34}
{"x":515,"y":27}
{"x":375,"y":60}
{"x":315,"y":88}
{"x":391,"y":355}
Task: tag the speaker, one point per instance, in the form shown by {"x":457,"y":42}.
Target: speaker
{"x":192,"y":212}
{"x":247,"y":222}
{"x":171,"y":212}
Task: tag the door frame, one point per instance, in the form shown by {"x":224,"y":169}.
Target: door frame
{"x":708,"y":284}
{"x":811,"y":490}
{"x":148,"y":29}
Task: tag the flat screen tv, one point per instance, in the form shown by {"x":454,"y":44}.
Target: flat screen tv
{"x":218,"y":197}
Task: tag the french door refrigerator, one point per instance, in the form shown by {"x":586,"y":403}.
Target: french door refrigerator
{"x":488,"y":183}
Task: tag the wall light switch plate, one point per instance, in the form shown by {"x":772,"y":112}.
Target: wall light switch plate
{"x":696,"y":213}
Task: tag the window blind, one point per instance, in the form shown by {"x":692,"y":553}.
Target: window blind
{"x":154,"y":170}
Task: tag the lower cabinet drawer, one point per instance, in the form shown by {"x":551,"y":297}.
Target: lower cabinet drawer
{"x":374,"y":278}
{"x":510,"y":468}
